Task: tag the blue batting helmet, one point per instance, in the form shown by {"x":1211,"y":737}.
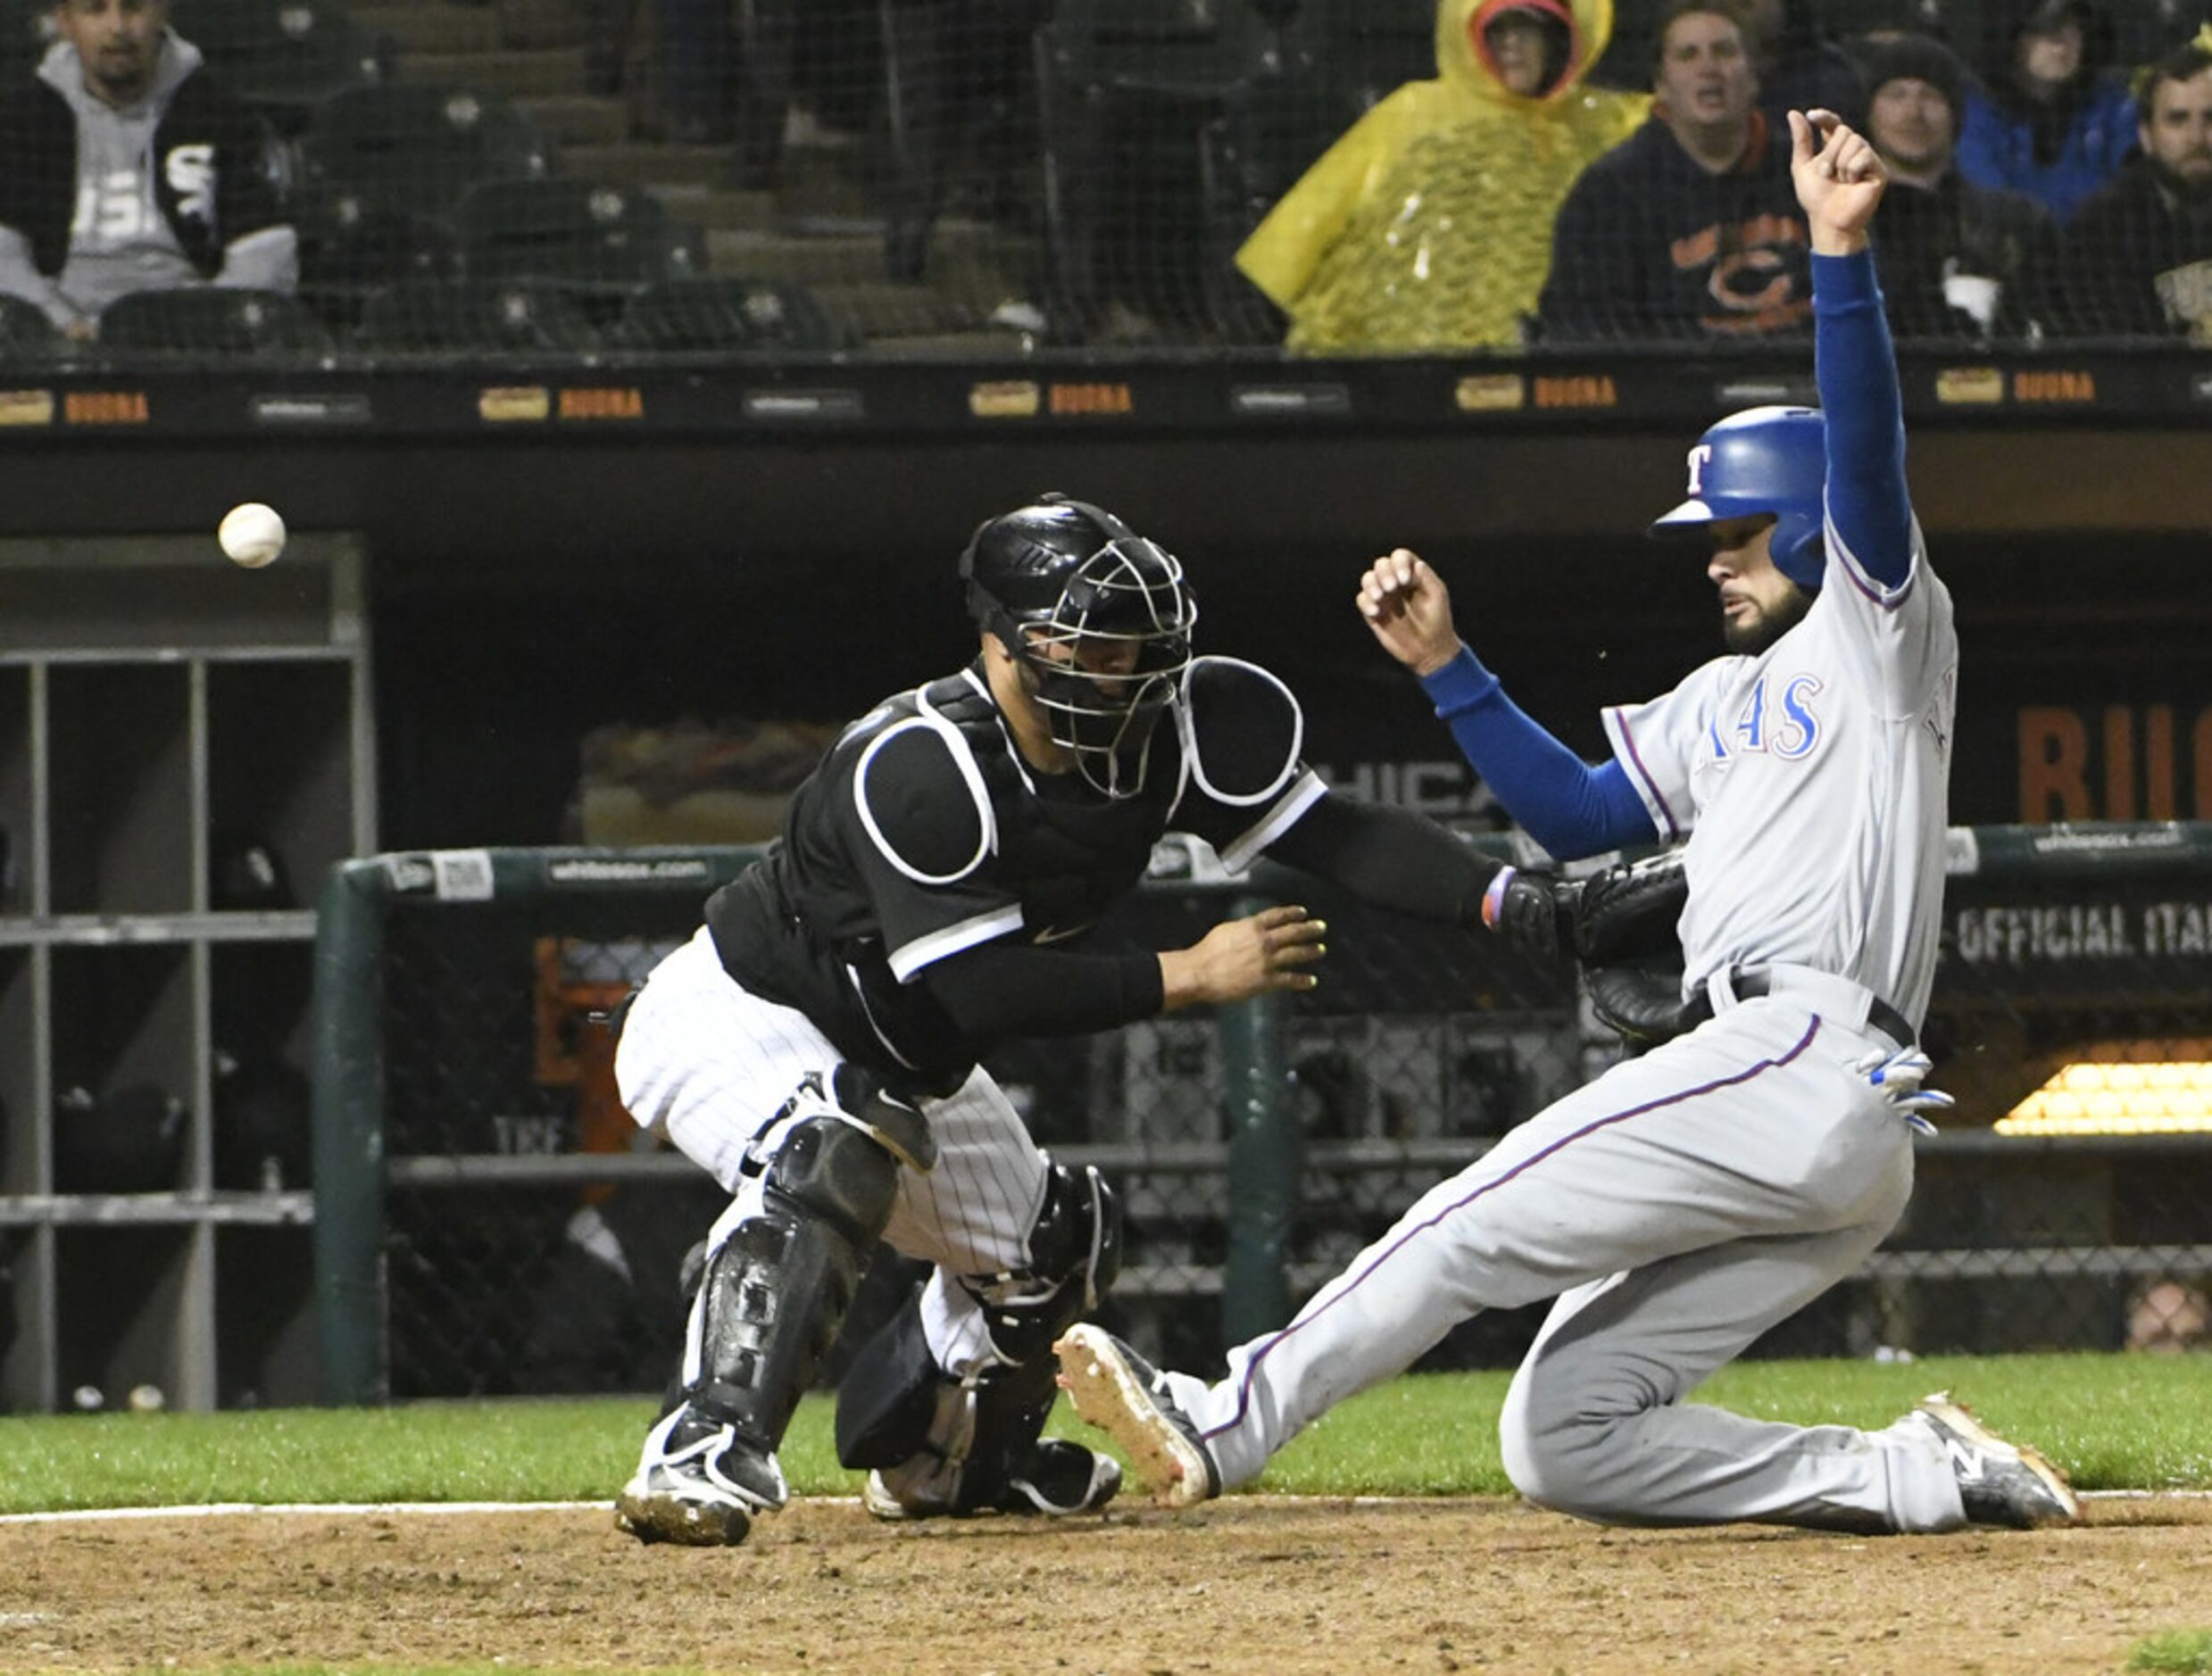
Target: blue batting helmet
{"x":1763,"y":459}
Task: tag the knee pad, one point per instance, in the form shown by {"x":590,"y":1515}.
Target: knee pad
{"x":860,"y":1097}
{"x":1074,"y":1254}
{"x":837,"y":1172}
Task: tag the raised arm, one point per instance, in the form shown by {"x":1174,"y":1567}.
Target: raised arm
{"x":1840,"y":180}
{"x":1565,"y":805}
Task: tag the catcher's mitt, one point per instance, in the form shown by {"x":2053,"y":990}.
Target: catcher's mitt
{"x":1626,"y":943}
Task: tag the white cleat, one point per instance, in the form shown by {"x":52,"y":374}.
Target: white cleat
{"x":699,"y":1485}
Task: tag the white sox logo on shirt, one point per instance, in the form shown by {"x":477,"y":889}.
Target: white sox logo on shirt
{"x":190,"y":172}
{"x":116,"y":209}
{"x":1785,"y":725}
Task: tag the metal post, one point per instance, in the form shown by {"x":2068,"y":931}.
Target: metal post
{"x":348,"y":1106}
{"x":1267,"y":1158}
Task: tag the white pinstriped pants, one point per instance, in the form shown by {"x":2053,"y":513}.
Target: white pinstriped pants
{"x":709,"y":1065}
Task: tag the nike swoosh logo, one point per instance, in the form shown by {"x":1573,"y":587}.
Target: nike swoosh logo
{"x":1058,"y":933}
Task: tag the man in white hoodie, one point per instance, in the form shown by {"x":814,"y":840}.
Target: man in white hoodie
{"x":129,"y":167}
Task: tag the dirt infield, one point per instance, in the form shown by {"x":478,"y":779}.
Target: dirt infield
{"x":1250,"y":1584}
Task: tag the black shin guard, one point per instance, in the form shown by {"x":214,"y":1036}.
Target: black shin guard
{"x":775,"y":1290}
{"x":956,"y":1446}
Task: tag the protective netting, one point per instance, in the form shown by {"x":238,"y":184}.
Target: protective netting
{"x":903,"y":177}
{"x":509,"y":1270}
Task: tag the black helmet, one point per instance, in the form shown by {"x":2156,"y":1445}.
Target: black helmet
{"x":1063,"y":573}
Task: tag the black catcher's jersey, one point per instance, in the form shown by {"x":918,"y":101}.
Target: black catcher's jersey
{"x":923,"y":832}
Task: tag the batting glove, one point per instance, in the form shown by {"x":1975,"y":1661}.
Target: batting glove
{"x":1896,"y":1077}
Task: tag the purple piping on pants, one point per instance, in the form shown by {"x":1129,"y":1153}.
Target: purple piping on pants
{"x":1243,"y":1393}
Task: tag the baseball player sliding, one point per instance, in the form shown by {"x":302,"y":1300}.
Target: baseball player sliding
{"x":1688,"y":1200}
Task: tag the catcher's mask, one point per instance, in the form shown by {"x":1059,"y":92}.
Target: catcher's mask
{"x":1098,"y":617}
{"x":1763,"y":459}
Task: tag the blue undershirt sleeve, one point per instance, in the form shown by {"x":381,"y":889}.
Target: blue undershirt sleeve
{"x":1855,"y":367}
{"x":1570,"y":807}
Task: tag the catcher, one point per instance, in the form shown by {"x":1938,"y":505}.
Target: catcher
{"x":936,"y":892}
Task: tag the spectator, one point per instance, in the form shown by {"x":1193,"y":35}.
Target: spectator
{"x":1799,"y":68}
{"x":2050,"y":119}
{"x":1874,"y":23}
{"x":1956,"y":260}
{"x":2139,"y":254}
{"x":1689,"y":228}
{"x":1427,"y":225}
{"x":131,"y":169}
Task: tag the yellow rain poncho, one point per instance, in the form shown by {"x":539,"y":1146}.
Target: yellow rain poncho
{"x":1427,"y":225}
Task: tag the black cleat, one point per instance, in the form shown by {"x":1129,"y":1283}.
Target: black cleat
{"x":2000,"y":1483}
{"x":1125,"y":1397}
{"x":1060,"y":1479}
{"x":1054,"y":1479}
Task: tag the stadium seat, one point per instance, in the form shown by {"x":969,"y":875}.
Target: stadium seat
{"x":960,"y":96}
{"x":1371,"y":47}
{"x":27,"y":336}
{"x":496,"y":315}
{"x":284,"y":57}
{"x":419,"y":147}
{"x":731,"y":314}
{"x":1126,"y":89}
{"x":349,"y":249}
{"x":590,"y":235}
{"x":1195,"y":48}
{"x":25,"y":34}
{"x":225,"y":320}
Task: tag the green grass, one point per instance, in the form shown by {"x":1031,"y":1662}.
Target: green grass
{"x":2183,"y":1653}
{"x":2115,"y":1422}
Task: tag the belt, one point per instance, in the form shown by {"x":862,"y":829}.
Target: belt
{"x":1750,"y":983}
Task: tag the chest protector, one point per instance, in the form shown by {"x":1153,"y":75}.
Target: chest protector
{"x":1068,"y":854}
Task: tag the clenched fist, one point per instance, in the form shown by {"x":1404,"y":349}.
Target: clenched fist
{"x":1408,"y":609}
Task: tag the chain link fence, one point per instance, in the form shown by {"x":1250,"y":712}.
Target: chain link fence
{"x":489,"y":1221}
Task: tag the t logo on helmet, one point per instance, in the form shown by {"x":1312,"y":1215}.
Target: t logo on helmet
{"x":1699,"y":455}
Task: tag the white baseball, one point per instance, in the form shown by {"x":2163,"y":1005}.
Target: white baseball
{"x":253,"y":534}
